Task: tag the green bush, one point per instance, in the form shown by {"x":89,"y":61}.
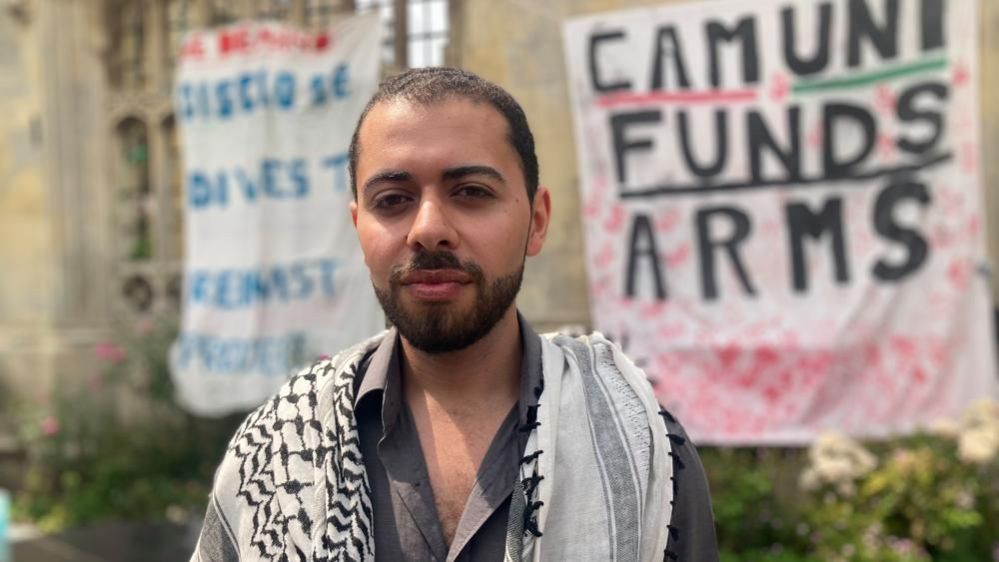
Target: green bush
{"x":932,"y":496}
{"x":113,"y":443}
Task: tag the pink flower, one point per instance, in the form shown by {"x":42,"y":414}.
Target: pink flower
{"x":95,"y":382}
{"x":144,"y":326}
{"x":109,"y":352}
{"x":50,"y":426}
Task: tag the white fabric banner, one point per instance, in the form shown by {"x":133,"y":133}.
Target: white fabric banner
{"x":783,"y":210}
{"x":274,"y":276}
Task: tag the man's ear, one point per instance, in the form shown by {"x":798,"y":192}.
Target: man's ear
{"x":541,"y":211}
{"x":353,"y":212}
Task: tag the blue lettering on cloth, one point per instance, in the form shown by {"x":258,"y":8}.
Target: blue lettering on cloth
{"x":230,"y":289}
{"x":338,"y":165}
{"x":270,"y":356}
{"x":245,"y":93}
{"x":270,"y":179}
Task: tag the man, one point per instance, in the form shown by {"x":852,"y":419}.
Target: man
{"x":459,"y":434}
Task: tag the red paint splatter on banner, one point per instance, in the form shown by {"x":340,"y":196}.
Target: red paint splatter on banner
{"x":963,"y":121}
{"x":814,"y":365}
{"x":667,"y":367}
{"x":951,"y":200}
{"x":864,"y":241}
{"x":605,"y":257}
{"x":789,"y":340}
{"x":940,"y":302}
{"x":941,"y":236}
{"x":940,"y":353}
{"x":734,"y":392}
{"x":974,"y":226}
{"x":886,"y":146}
{"x":728,"y":355}
{"x":592,"y":210}
{"x":765,"y":357}
{"x":615,"y":220}
{"x":872,"y":356}
{"x":625,"y":303}
{"x":969,"y":157}
{"x":678,"y":256}
{"x":772,"y":394}
{"x":902,"y":346}
{"x":959,"y":273}
{"x":668,"y":220}
{"x":602,"y":285}
{"x":885,"y":100}
{"x":653,"y":310}
{"x":780,"y":87}
{"x":671,"y":331}
{"x":814,"y":137}
{"x":960,"y":76}
{"x":594,"y":202}
{"x":746,"y":379}
{"x":784,"y":379}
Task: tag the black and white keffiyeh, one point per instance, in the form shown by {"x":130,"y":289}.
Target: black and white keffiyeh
{"x":596,"y":480}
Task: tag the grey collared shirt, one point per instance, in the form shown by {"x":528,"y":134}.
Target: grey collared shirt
{"x":406,"y":525}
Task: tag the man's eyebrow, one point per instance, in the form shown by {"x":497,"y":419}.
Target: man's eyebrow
{"x":463,"y":171}
{"x":387,"y":176}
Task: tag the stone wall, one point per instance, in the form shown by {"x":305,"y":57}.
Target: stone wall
{"x":27,"y":245}
{"x":52,"y":229}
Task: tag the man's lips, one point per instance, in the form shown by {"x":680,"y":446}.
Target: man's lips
{"x":435,"y":285}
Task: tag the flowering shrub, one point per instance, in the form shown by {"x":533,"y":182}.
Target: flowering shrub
{"x":111,"y":441}
{"x":838,"y":461}
{"x":930,"y":497}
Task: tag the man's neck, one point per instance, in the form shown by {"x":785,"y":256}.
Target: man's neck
{"x":484,"y":373}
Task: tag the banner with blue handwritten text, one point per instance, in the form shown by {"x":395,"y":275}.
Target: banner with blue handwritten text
{"x":783,"y":210}
{"x":274,"y":276}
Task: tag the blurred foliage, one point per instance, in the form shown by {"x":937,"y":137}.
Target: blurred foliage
{"x":933,"y":496}
{"x":110,"y":441}
{"x":755,"y":518}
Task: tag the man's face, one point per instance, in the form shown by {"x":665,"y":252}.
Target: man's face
{"x":443,"y":218}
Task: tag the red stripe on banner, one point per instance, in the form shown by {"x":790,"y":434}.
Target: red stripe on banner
{"x":707,"y":96}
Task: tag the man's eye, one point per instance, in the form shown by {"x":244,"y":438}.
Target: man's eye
{"x":390,"y":200}
{"x":473,"y":191}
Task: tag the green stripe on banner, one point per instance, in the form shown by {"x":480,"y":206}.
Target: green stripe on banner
{"x":874,"y":77}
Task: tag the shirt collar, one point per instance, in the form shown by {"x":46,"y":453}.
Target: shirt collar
{"x":531,"y":376}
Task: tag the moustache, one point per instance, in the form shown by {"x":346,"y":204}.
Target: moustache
{"x":428,"y":261}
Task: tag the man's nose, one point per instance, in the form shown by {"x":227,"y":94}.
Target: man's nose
{"x":431,"y":229}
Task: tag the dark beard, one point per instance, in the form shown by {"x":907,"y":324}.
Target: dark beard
{"x":439,"y":328}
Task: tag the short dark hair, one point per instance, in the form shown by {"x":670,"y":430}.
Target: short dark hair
{"x":426,"y":86}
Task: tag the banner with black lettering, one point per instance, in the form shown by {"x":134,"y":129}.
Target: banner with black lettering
{"x":273,"y":274}
{"x":783,"y":210}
